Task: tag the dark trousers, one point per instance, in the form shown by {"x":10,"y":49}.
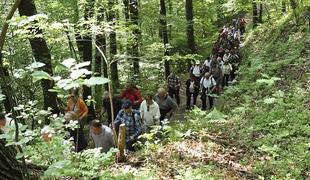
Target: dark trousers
{"x":163,"y":114}
{"x":197,"y":79}
{"x":129,"y":145}
{"x":188,"y":98}
{"x":226,"y":79}
{"x":174,"y":93}
{"x":78,"y":137}
{"x":242,"y":30}
{"x":204,"y":100}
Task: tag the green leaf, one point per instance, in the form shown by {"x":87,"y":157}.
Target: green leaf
{"x":39,"y":75}
{"x":35,"y":65}
{"x":96,"y":81}
{"x":216,"y":115}
{"x":69,"y":62}
{"x":270,"y":100}
{"x":19,"y":155}
{"x":2,"y":97}
{"x":75,"y":74}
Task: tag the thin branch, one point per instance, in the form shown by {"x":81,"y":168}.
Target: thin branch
{"x":110,"y":92}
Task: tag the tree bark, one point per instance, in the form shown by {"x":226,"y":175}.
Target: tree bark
{"x":255,"y":14}
{"x":283,"y":6}
{"x":121,"y":143}
{"x":126,"y":9}
{"x":10,"y":168}
{"x":113,"y":46}
{"x":134,"y":50}
{"x":261,"y":13}
{"x":164,"y":33}
{"x":190,"y":28}
{"x":101,"y":43}
{"x":85,"y":48}
{"x":41,"y":54}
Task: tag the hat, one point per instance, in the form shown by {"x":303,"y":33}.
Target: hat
{"x":126,"y":104}
{"x":197,"y":62}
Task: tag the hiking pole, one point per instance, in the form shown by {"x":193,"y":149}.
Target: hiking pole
{"x":77,"y":138}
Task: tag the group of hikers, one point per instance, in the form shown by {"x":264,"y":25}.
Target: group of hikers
{"x":139,"y":114}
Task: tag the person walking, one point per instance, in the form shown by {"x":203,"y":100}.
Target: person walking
{"x":174,"y":85}
{"x":208,"y":85}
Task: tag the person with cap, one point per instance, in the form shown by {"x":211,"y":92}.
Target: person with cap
{"x":132,"y":93}
{"x":166,"y":105}
{"x":174,"y":85}
{"x":196,"y":70}
{"x":101,"y":135}
{"x":132,"y":120}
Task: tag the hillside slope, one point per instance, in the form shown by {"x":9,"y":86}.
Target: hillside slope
{"x":269,"y":108}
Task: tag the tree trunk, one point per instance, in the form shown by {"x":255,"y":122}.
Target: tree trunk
{"x":101,"y":43}
{"x":170,"y":12}
{"x":255,"y":14}
{"x":41,"y":54}
{"x":113,"y":46}
{"x":134,"y":50}
{"x":164,"y":33}
{"x":85,"y":48}
{"x":261,"y":13}
{"x":283,"y":6}
{"x":121,"y":143}
{"x":126,"y":9}
{"x":294,"y":5}
{"x":190,"y":28}
{"x":10,"y":168}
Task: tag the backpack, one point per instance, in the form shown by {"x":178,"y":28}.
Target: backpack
{"x":191,"y":87}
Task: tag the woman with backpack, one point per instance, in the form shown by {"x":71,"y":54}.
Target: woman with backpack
{"x":207,"y":86}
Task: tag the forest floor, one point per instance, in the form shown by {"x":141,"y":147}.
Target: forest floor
{"x":191,"y":155}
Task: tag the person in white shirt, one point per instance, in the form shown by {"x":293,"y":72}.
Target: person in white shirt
{"x":207,"y":86}
{"x":196,"y":70}
{"x":226,"y":55}
{"x":149,"y":111}
{"x":207,"y":64}
{"x":227,"y":68}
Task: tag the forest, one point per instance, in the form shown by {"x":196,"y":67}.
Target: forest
{"x":154,"y":89}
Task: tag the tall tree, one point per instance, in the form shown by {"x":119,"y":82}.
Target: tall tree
{"x":134,"y":50}
{"x":84,"y":44}
{"x":164,"y":33}
{"x":99,"y":61}
{"x":113,"y":45}
{"x":10,"y":168}
{"x":255,"y":14}
{"x":283,"y":9}
{"x":260,"y":18}
{"x":190,"y":27}
{"x":41,"y":54}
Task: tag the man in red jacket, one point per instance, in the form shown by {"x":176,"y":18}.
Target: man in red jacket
{"x":133,"y":94}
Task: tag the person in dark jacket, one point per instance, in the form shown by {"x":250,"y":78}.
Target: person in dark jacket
{"x":192,"y":89}
{"x":117,"y":105}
